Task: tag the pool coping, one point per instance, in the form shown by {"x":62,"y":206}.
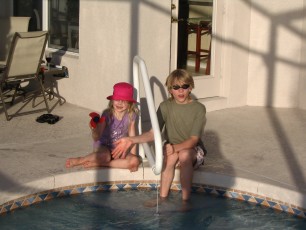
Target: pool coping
{"x":81,"y":181}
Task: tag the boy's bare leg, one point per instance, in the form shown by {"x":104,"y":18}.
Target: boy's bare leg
{"x":186,"y":158}
{"x":167,"y":174}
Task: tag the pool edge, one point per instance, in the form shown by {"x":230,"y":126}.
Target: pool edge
{"x":75,"y":182}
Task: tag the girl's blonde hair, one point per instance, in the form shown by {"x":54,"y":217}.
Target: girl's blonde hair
{"x":179,"y":75}
{"x":131,"y":109}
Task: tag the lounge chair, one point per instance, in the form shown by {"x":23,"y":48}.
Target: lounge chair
{"x":23,"y":64}
{"x":8,"y":27}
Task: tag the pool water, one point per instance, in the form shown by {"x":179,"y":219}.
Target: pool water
{"x":126,"y":210}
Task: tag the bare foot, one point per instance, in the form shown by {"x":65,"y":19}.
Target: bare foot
{"x":71,"y":162}
{"x":153,"y":202}
{"x":186,"y":206}
{"x":134,"y":169}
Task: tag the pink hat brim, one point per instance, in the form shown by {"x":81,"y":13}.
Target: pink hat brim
{"x":111,"y":97}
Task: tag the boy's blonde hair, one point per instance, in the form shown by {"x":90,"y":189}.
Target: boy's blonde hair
{"x":179,"y":75}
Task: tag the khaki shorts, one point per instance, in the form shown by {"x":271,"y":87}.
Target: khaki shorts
{"x":200,"y":156}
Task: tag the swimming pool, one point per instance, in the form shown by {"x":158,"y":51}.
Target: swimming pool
{"x":125,"y":209}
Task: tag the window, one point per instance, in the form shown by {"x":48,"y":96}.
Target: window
{"x":63,"y":20}
{"x":30,"y":8}
{"x":63,"y":24}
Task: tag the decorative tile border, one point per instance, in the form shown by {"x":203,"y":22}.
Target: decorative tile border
{"x":150,"y":185}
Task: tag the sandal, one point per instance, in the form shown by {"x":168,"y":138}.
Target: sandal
{"x":43,"y":118}
{"x":53,"y":119}
{"x":49,"y":118}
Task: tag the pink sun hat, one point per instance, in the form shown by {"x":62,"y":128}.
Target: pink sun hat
{"x":122,"y":91}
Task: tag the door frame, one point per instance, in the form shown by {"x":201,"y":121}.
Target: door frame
{"x":206,"y":85}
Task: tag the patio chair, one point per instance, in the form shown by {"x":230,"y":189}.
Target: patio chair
{"x":23,"y":65}
{"x":8,"y":27}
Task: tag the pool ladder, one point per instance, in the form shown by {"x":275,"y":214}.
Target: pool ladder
{"x":155,"y":160}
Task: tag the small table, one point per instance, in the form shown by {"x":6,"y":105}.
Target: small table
{"x":55,"y":73}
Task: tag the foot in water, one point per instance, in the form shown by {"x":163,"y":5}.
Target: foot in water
{"x":153,"y":202}
{"x":186,"y":206}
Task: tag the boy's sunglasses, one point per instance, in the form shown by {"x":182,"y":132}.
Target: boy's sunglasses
{"x":176,"y":87}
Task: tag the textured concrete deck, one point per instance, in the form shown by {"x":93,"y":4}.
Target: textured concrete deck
{"x":262,"y":145}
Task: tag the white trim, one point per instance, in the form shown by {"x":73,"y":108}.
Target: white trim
{"x":45,"y":15}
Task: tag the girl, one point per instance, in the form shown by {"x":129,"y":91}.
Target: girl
{"x":119,"y":121}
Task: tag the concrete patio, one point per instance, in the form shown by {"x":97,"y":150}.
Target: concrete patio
{"x":246,"y":144}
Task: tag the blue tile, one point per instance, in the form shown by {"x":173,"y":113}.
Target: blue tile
{"x":284,"y":207}
{"x":271,"y":203}
{"x":43,"y":196}
{"x":134,"y":186}
{"x":120,"y":187}
{"x":233,"y":194}
{"x":106,"y":186}
{"x":259,"y":200}
{"x":8,"y":207}
{"x":296,"y":211}
{"x":94,"y":188}
{"x":194,"y":188}
{"x":31,"y":199}
{"x":208,"y":190}
{"x":80,"y":190}
{"x":153,"y":186}
{"x":67,"y":192}
{"x":246,"y":197}
{"x":54,"y":194}
{"x":220,"y":192}
{"x":19,"y":203}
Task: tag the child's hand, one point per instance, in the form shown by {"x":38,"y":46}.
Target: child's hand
{"x":121,"y":147}
{"x":168,"y":149}
{"x":95,"y":119}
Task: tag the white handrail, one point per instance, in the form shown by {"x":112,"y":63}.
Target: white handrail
{"x":157,"y":161}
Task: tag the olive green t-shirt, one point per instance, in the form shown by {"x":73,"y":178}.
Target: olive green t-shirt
{"x":181,"y":121}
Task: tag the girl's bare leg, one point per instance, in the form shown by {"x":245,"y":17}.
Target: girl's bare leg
{"x":99,"y":157}
{"x":131,"y":162}
{"x":76,"y":161}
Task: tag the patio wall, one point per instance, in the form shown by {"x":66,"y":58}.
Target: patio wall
{"x":111,"y":34}
{"x":263,"y":54}
{"x":276,"y":75}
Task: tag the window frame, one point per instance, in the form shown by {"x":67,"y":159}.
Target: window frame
{"x":45,"y":26}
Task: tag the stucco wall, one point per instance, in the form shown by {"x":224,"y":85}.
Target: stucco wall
{"x":275,"y":53}
{"x":302,"y":83}
{"x":111,"y":34}
{"x":262,"y":55}
{"x":263,"y":51}
{"x":235,"y":52}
